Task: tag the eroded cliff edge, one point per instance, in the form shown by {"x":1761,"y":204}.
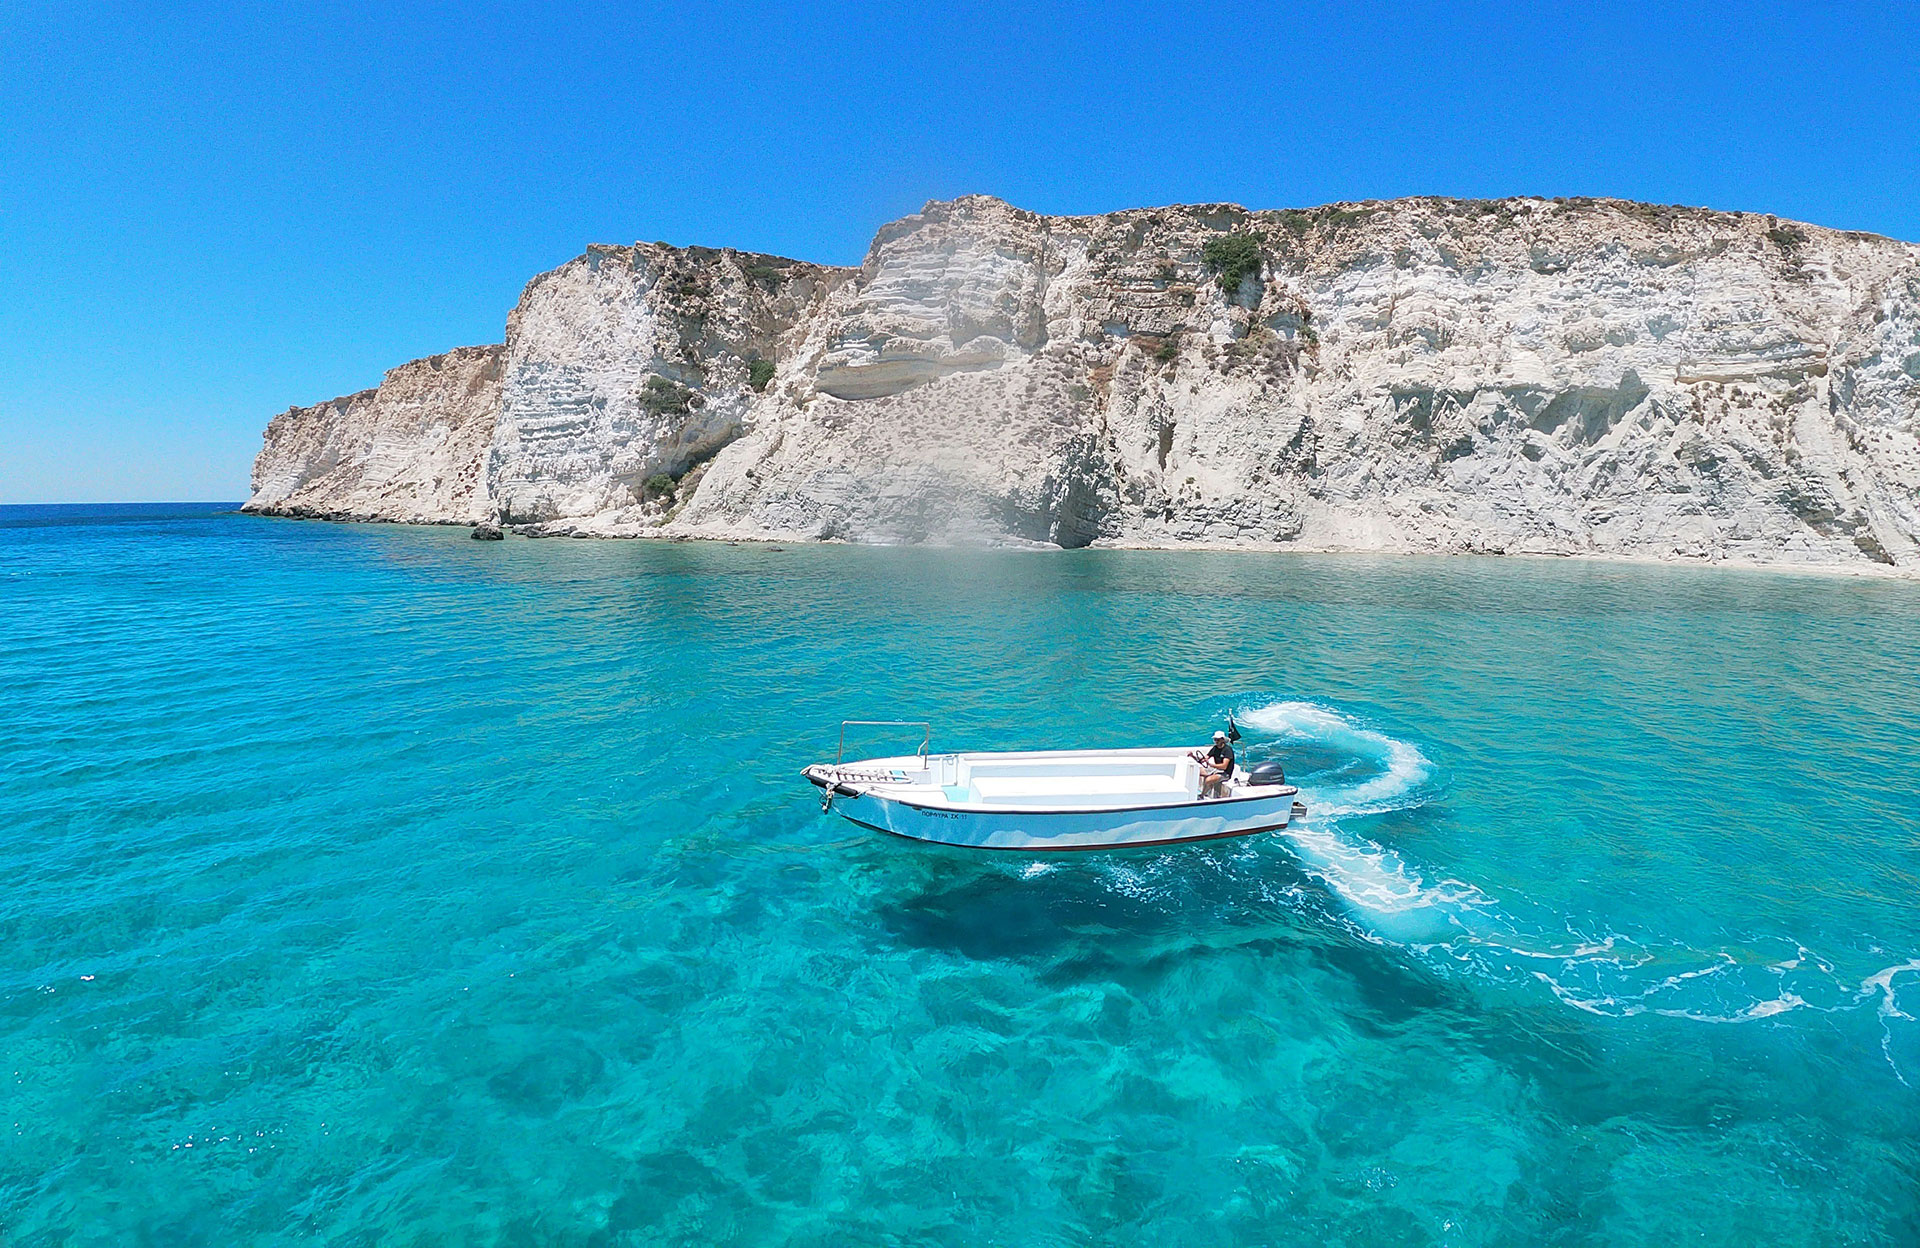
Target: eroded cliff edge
{"x":410,"y":450}
{"x":1526,"y":375}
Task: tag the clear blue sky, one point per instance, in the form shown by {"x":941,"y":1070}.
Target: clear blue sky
{"x":209,"y":213}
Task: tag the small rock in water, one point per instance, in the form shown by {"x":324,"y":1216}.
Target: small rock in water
{"x":487,"y":533}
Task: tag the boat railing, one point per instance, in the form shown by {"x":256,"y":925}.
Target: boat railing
{"x":926,"y":738}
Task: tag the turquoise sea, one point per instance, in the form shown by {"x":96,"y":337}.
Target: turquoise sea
{"x":371,"y":885}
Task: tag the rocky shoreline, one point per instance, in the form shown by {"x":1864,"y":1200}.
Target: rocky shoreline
{"x":1552,"y":377}
{"x":561,"y":531}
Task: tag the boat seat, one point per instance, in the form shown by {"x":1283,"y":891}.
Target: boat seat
{"x":1079,"y":790}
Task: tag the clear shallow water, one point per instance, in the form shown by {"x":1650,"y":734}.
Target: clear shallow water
{"x":374,"y":885}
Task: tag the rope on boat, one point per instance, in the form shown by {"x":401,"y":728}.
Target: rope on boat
{"x":856,"y":775}
{"x":840,"y":780}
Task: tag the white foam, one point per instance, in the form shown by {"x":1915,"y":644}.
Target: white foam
{"x":1378,"y":884}
{"x":1392,"y":901}
{"x":1372,"y":880}
{"x":1880,"y":984}
{"x":1731,"y":975}
{"x":1399,"y":769}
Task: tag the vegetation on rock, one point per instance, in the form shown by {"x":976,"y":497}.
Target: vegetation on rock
{"x":1233,"y":258}
{"x":661,"y":397}
{"x":767,"y":275}
{"x":1787,"y":235}
{"x":1296,"y":221}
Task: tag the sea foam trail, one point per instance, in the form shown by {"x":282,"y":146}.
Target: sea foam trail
{"x":1359,"y":770}
{"x":1397,"y":771}
{"x":1373,"y":774}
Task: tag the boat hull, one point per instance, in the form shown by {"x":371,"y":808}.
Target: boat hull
{"x":1057,"y":831}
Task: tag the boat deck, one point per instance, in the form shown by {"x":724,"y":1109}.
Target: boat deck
{"x":1053,"y":780}
{"x":1042,"y":790}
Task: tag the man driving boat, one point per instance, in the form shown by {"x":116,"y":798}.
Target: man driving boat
{"x":1216,"y":766}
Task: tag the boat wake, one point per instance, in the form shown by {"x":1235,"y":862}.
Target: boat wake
{"x":1351,"y":770}
{"x":1346,"y":770}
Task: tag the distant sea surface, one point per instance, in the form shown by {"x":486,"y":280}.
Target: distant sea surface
{"x":373,"y":885}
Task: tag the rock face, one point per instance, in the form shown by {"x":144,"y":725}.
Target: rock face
{"x":631,"y":364}
{"x":1585,"y":376}
{"x":410,"y":450}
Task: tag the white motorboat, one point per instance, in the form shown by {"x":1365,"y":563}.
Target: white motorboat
{"x":1042,"y":800}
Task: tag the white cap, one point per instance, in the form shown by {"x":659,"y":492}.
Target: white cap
{"x":1219,"y":736}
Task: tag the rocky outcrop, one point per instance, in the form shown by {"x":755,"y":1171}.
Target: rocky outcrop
{"x":410,"y":450}
{"x":1549,"y":376}
{"x":633,"y":365}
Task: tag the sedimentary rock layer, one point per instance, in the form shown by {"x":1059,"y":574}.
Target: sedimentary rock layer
{"x":1521,"y":375}
{"x":632,"y":364}
{"x":411,"y":449}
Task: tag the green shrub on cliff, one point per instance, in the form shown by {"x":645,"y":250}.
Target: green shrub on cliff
{"x":1786,"y":235}
{"x":767,"y":275}
{"x":1337,"y":217}
{"x":1233,"y":257}
{"x":759,"y":373}
{"x":1296,"y":221}
{"x":661,"y":397}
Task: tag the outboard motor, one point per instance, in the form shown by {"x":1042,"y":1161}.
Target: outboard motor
{"x":1268,"y":773}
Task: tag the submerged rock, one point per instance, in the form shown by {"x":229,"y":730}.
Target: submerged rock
{"x":487,"y":533}
{"x":1522,"y":375}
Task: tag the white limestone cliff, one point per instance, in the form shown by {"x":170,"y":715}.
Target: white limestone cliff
{"x":634,"y":363}
{"x":1573,"y":377}
{"x":409,"y":450}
